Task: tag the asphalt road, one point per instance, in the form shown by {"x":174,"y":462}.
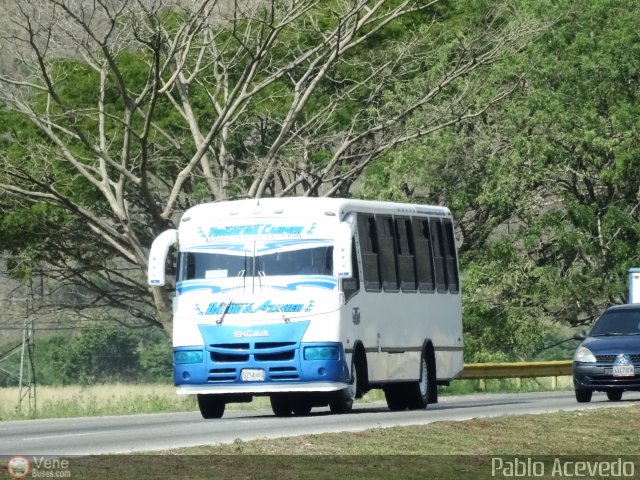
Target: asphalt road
{"x":143,"y":433}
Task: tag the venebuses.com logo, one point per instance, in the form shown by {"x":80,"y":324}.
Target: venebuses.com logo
{"x":18,"y":467}
{"x":38,"y":467}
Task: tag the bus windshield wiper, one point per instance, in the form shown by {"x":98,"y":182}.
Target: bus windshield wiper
{"x":243,"y":274}
{"x":261,"y":275}
{"x":225,"y":309}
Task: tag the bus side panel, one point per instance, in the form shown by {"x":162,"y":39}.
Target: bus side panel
{"x":395,"y":326}
{"x":409,"y":295}
{"x":449,"y":364}
{"x":394,"y":366}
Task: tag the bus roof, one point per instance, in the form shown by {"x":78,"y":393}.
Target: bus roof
{"x":308,"y":206}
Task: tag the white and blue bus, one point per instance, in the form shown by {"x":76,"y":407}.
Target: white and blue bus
{"x":313,"y":302}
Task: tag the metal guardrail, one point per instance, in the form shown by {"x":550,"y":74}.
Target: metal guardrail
{"x":517,"y":370}
{"x":557,"y":368}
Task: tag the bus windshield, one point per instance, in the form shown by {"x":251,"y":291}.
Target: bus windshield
{"x":211,"y":265}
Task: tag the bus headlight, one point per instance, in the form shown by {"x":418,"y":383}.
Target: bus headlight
{"x":182,"y":357}
{"x":321,"y":353}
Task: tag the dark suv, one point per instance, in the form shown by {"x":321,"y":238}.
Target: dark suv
{"x":608,"y":359}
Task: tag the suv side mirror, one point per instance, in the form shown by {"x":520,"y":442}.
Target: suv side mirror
{"x":580,"y":335}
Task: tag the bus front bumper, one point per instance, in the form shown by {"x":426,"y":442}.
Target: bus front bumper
{"x":262,"y":389}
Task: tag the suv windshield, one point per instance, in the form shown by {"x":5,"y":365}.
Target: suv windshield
{"x":204,"y":265}
{"x":617,"y":322}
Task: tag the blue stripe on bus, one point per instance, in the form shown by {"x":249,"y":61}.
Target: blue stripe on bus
{"x":325,"y":282}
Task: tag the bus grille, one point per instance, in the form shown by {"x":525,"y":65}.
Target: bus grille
{"x":222,"y":375}
{"x":284,"y":373}
{"x":278,"y":359}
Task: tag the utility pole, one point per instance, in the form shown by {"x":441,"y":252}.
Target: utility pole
{"x":27,"y":376}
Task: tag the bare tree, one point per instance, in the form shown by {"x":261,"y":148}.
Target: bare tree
{"x":140,"y":108}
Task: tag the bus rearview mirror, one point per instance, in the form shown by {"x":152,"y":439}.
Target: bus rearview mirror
{"x":158,"y":257}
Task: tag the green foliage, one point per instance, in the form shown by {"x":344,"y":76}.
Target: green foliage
{"x":543,"y":185}
{"x":49,"y":355}
{"x":496,"y":327}
{"x":99,"y":354}
{"x":93,"y":144}
{"x":156,"y":358}
{"x":584,"y":112}
{"x":558,"y":345}
{"x":10,"y":364}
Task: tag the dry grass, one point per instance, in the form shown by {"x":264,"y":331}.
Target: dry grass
{"x":73,"y":401}
{"x":123,"y":399}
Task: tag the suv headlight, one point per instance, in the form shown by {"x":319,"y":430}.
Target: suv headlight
{"x":583,"y":354}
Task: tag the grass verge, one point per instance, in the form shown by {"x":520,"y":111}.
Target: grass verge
{"x":556,"y":444}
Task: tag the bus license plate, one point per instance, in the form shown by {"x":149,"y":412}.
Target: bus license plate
{"x":252,"y":375}
{"x":623,"y":371}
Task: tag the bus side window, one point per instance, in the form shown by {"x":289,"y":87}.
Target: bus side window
{"x":351,"y":286}
{"x":181,"y":267}
{"x":369,"y":251}
{"x":424,"y":254}
{"x":437,"y":240}
{"x":190,"y":266}
{"x":387,"y":253}
{"x":451,"y":263}
{"x":406,"y":255}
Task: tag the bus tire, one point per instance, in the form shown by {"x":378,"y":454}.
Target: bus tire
{"x":301,"y":405}
{"x":280,"y":405}
{"x":211,"y":406}
{"x":342,"y":401}
{"x":396,"y":396}
{"x":418,"y":393}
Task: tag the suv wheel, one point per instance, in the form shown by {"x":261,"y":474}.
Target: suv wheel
{"x":583,"y":396}
{"x":614,"y":395}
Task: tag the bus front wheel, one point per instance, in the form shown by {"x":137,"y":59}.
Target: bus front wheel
{"x":342,"y":401}
{"x":211,"y":406}
{"x":281,"y":405}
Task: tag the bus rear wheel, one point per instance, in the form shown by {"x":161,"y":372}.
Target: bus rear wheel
{"x":413,"y":395}
{"x":396,"y":396}
{"x":211,"y":406}
{"x":418,"y":392}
